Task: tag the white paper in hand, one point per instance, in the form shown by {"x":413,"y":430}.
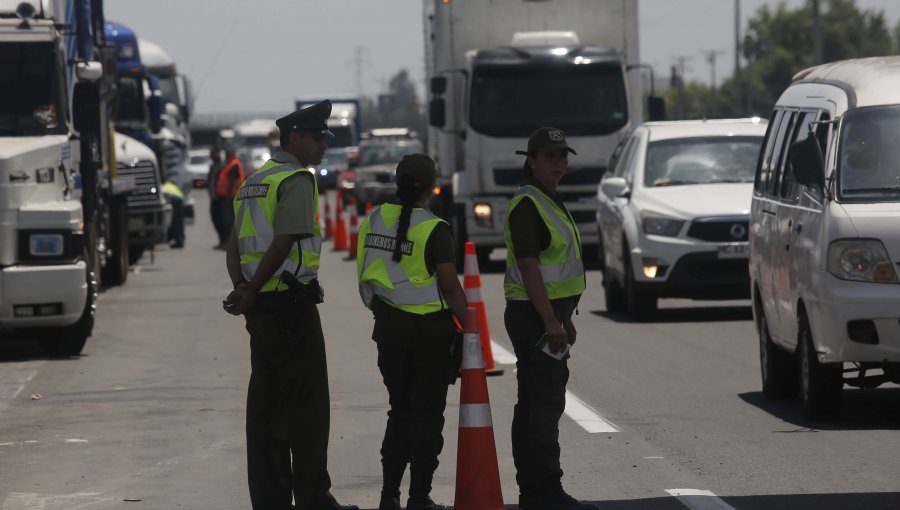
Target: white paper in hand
{"x":560,"y":354}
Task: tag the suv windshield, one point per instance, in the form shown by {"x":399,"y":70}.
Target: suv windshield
{"x":704,"y":160}
{"x":869,"y":157}
{"x":386,"y":153}
{"x":581,"y":100}
{"x":33,"y":98}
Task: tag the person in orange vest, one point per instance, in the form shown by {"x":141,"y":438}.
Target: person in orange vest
{"x":227,"y":184}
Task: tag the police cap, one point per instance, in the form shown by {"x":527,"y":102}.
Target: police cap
{"x":418,"y":166}
{"x":312,"y":118}
{"x":546,"y":139}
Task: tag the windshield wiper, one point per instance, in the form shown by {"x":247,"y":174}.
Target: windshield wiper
{"x":718,"y":181}
{"x":673,"y":183}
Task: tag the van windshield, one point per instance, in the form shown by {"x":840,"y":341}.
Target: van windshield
{"x":706,"y":160}
{"x":869,"y":157}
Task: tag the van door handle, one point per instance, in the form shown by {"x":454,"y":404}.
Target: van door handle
{"x":770,"y":213}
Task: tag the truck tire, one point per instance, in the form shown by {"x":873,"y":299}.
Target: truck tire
{"x":135,"y":253}
{"x":69,"y":341}
{"x":777,"y":367}
{"x":821,"y":385}
{"x":116,"y":271}
{"x":641,"y":304}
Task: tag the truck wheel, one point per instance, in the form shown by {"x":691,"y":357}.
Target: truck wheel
{"x":70,"y":340}
{"x":641,"y":304}
{"x":135,"y":253}
{"x":116,"y":270}
{"x":821,"y":384}
{"x":779,"y":373}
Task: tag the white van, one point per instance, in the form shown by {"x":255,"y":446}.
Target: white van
{"x":825,"y":235}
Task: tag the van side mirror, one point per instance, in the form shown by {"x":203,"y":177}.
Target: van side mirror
{"x":656,"y":108}
{"x":615,"y":187}
{"x":806,"y":158}
{"x":438,"y":85}
{"x":437,"y":108}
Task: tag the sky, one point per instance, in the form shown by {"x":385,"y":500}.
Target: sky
{"x":259,"y":55}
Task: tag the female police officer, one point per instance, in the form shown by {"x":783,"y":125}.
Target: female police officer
{"x":407,"y":276}
{"x":544,"y":281}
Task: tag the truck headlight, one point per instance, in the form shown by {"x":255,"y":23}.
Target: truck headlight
{"x":484,"y":215}
{"x":860,"y":260}
{"x":46,"y":245}
{"x":660,"y":225}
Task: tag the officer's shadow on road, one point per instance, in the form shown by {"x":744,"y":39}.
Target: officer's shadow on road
{"x":685,"y":314}
{"x":17,"y":348}
{"x":877,"y":409}
{"x":868,"y":501}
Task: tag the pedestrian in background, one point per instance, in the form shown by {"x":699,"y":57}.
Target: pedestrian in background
{"x":228,"y":181}
{"x":175,"y":197}
{"x":543,"y":284}
{"x":273,"y":262}
{"x":215,"y":204}
{"x":407,"y":276}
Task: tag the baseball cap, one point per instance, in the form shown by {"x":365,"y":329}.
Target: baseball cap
{"x":419,"y":166}
{"x":546,"y":139}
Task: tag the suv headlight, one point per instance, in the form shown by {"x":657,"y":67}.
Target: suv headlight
{"x":860,"y":260}
{"x":660,"y":225}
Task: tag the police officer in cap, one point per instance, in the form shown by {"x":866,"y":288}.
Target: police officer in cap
{"x":543,"y":284}
{"x":273,"y":261}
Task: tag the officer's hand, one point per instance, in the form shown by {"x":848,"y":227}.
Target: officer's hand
{"x":556,"y":336}
{"x":231,"y":302}
{"x":570,"y":330}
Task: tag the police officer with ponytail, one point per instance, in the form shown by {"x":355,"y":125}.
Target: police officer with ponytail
{"x":544,"y":281}
{"x":407,"y":277}
{"x":273,"y":262}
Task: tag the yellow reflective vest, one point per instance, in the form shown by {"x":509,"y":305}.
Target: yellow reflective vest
{"x":406,"y":284}
{"x":254,"y":212}
{"x":561,"y":266}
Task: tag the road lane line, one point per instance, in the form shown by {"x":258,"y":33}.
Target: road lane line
{"x":699,"y":500}
{"x":501,"y":355}
{"x":14,"y":378}
{"x":584,"y":415}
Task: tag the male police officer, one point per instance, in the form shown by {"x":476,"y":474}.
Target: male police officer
{"x":273,"y":258}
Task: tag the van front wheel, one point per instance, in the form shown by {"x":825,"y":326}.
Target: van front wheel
{"x":821,"y":384}
{"x":779,"y":374}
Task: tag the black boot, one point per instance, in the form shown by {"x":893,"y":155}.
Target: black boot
{"x":550,"y":497}
{"x":423,"y":503}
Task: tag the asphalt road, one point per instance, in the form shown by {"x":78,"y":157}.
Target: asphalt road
{"x":151,"y":415}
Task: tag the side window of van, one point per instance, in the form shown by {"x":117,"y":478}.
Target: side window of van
{"x":823,"y":131}
{"x":779,"y":150}
{"x":790,"y":188}
{"x":765,"y":155}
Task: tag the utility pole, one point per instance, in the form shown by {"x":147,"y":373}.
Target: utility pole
{"x":359,"y":60}
{"x":738,"y":86}
{"x":678,"y":83}
{"x":818,"y":56}
{"x":711,"y":107}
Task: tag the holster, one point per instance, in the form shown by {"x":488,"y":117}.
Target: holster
{"x":292,"y":300}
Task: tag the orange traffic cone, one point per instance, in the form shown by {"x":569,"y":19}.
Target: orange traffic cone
{"x":329,"y":227}
{"x":368,"y":209}
{"x":477,"y":472}
{"x":354,"y":230}
{"x":340,"y":227}
{"x":472,"y":286}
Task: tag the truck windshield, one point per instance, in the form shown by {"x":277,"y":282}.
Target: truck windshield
{"x":168,"y":89}
{"x":132,"y":107}
{"x":581,"y":100}
{"x":868,"y":168}
{"x":708,"y":160}
{"x":343,"y":136}
{"x":32,"y":79}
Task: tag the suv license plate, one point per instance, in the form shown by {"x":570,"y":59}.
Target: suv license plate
{"x":734,"y":251}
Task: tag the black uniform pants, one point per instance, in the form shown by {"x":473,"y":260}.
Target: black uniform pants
{"x":176,"y":228}
{"x":216,"y":212}
{"x":414,"y":359}
{"x":541,"y":400}
{"x":288,"y":413}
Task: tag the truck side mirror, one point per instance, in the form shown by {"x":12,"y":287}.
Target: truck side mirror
{"x":187,"y":100}
{"x":805,"y":156}
{"x":89,"y":71}
{"x":656,"y":108}
{"x":438,"y":85}
{"x":437,"y":112}
{"x":86,"y":107}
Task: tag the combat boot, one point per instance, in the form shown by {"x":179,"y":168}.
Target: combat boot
{"x":419,"y":503}
{"x":551,"y":497}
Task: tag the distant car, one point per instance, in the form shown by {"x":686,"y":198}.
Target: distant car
{"x":198,"y":167}
{"x":257,"y":158}
{"x":376,"y":168}
{"x":335,"y":162}
{"x":673,"y":213}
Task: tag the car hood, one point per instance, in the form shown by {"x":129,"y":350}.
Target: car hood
{"x":877,"y":221}
{"x":697,"y":200}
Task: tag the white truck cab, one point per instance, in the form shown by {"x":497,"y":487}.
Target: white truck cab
{"x":824,"y":242}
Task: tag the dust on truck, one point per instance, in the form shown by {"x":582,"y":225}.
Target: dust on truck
{"x":54,"y":138}
{"x":499,"y":70}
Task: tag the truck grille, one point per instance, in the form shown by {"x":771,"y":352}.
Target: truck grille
{"x":575,"y":176}
{"x":720,"y":230}
{"x":146,"y":184}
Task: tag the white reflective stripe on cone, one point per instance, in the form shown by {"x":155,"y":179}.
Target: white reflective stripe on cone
{"x":473,"y":295}
{"x":472,"y":356}
{"x":471,"y":265}
{"x":475,"y":416}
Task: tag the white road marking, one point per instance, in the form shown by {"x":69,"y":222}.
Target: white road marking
{"x":13,"y":379}
{"x":34,"y":501}
{"x":501,"y":355}
{"x":76,"y":440}
{"x":584,"y":415}
{"x":699,"y":500}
